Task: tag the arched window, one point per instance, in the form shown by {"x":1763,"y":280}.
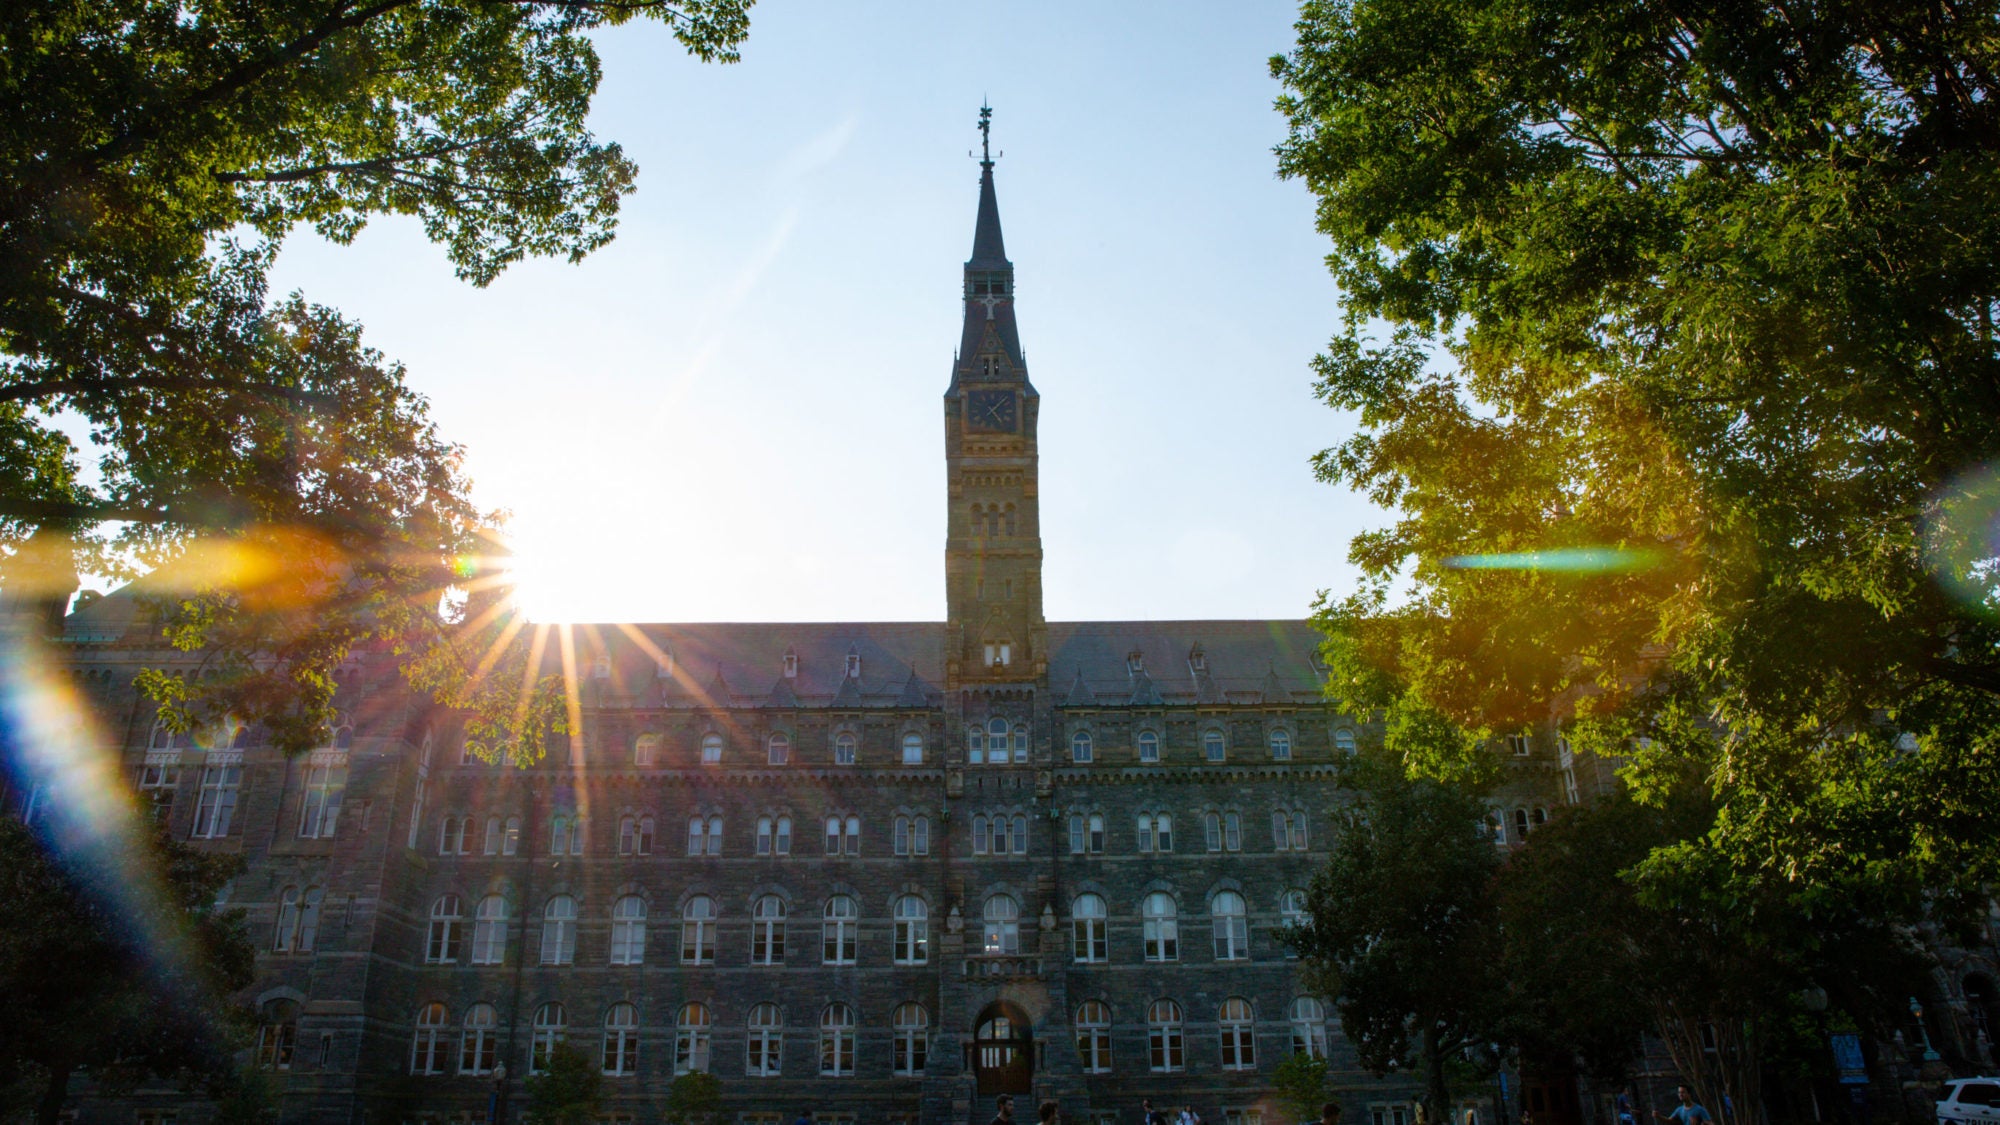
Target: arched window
{"x":646,"y":750}
{"x":767,"y":931}
{"x":1003,"y":925}
{"x":691,"y":1039}
{"x":911,"y":1026}
{"x":628,"y":931}
{"x":836,"y":1041}
{"x":1081,"y":749}
{"x":559,"y":931}
{"x":1288,"y":830}
{"x":1088,"y":942}
{"x":704,"y":835}
{"x":1343,"y":740}
{"x":844,"y":745}
{"x":427,"y":1049}
{"x":913,"y":749}
{"x":975,"y":746}
{"x":551,"y":1025}
{"x":913,"y":931}
{"x":765,"y":1055}
{"x":559,"y":834}
{"x":1224,"y":831}
{"x":982,"y":834}
{"x":1149,"y":746}
{"x":1308,"y":1027}
{"x":1292,"y":915}
{"x":621,"y":1041}
{"x":1167,"y":1052}
{"x":628,"y":835}
{"x":493,"y":833}
{"x":452,"y":833}
{"x":510,"y":836}
{"x":1213,"y":747}
{"x":1020,"y":743}
{"x":843,"y":835}
{"x":1239,"y":1034}
{"x":446,"y":915}
{"x":913,"y":835}
{"x":996,"y":741}
{"x":1093,"y":1037}
{"x":779,"y":749}
{"x":489,"y":931}
{"x":1162,"y":927}
{"x":774,"y":835}
{"x":1520,"y":824}
{"x":698,"y":931}
{"x":1156,"y":833}
{"x":1232,"y":928}
{"x":711,"y":749}
{"x":838,"y":924}
{"x":1281,"y":746}
{"x":477,"y":1044}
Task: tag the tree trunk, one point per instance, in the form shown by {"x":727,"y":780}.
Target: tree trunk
{"x":1437,"y":1095}
{"x":49,"y":1110}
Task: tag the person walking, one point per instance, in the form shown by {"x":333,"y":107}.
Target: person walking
{"x":1689,"y":1112}
{"x":1003,"y":1110}
{"x":1149,"y":1115}
{"x":1046,"y":1112}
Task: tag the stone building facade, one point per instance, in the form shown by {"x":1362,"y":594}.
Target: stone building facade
{"x":885,"y":870}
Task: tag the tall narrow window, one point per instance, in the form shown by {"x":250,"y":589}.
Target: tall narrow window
{"x":489,"y":931}
{"x":913,"y":749}
{"x":1166,"y":1050}
{"x":551,"y":1025}
{"x":427,"y":1048}
{"x":442,"y":946}
{"x":911,"y":1026}
{"x":1096,"y":833}
{"x":559,"y":931}
{"x":493,"y":833}
{"x":698,"y":931}
{"x":766,"y":1052}
{"x":1078,"y":841}
{"x":838,"y":925}
{"x":1232,"y":832}
{"x":628,"y":931}
{"x":452,"y":833}
{"x":1003,"y":925}
{"x":691,"y":1039}
{"x":996,"y":742}
{"x":1343,"y":741}
{"x":215,"y":806}
{"x":319,"y":811}
{"x":1213,"y":747}
{"x":920,"y":836}
{"x":646,"y":750}
{"x":158,"y":781}
{"x":913,"y":931}
{"x":1162,"y":928}
{"x":1149,"y":746}
{"x":975,"y":745}
{"x":767,"y":931}
{"x":1292,"y":915}
{"x":510,"y":836}
{"x":836,"y":1041}
{"x":1212,"y":830}
{"x":779,"y":750}
{"x":1308,"y":1027}
{"x":478,"y":1044}
{"x":1087,"y":925}
{"x":899,"y":835}
{"x":1081,"y":749}
{"x":774,"y":835}
{"x":1281,"y":746}
{"x":298,"y":920}
{"x":1232,"y":927}
{"x":711,"y":749}
{"x":1093,"y":1037}
{"x":559,"y":834}
{"x":844,"y":745}
{"x":621,"y":1041}
{"x":1239,"y":1034}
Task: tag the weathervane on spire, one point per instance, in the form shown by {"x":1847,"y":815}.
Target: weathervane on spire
{"x":985,"y":135}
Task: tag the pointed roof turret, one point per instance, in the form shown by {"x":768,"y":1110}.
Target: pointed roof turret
{"x":916,"y":693}
{"x":1080,"y":694}
{"x":989,"y":348}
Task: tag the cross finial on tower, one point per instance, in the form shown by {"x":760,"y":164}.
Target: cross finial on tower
{"x":985,"y":135}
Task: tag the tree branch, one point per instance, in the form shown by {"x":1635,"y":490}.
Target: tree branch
{"x":49,"y":388}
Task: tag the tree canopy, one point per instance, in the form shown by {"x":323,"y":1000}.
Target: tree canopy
{"x":1670,"y":336}
{"x":124,"y":966}
{"x":158,"y":155}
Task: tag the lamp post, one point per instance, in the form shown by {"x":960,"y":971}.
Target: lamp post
{"x":496,"y":1108}
{"x":1917,"y":1012}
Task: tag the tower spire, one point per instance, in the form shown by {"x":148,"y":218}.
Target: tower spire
{"x":989,"y":251}
{"x":985,"y":136}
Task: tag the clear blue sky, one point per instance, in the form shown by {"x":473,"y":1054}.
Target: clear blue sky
{"x":733,"y":411}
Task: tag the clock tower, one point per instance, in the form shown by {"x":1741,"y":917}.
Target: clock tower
{"x":993,"y":547}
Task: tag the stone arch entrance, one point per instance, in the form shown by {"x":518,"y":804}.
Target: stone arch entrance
{"x":1003,"y":1050}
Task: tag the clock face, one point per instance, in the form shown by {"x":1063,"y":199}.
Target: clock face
{"x":993,"y":411}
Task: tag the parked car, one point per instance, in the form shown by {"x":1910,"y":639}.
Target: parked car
{"x":1970,"y":1101}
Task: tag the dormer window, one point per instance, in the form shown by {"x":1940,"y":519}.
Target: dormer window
{"x":1135,"y":662}
{"x":664,"y":667}
{"x":999,"y":654}
{"x":600,"y":668}
{"x":1197,"y":660}
{"x":791,"y":665}
{"x":853,"y":665}
{"x":989,"y":366}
